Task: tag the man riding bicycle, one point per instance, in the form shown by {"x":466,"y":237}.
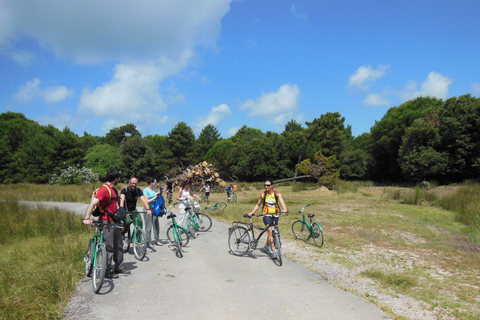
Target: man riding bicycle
{"x":269,"y":200}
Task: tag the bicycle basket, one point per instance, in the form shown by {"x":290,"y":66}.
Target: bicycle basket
{"x":196,"y":207}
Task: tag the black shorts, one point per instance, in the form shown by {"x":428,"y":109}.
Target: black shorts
{"x":207,"y":194}
{"x":269,"y":219}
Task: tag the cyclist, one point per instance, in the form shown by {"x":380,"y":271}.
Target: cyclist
{"x":169,"y":186}
{"x":206,"y":186}
{"x":270,"y":200}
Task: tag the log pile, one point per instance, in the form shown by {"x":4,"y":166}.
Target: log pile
{"x":200,"y":174}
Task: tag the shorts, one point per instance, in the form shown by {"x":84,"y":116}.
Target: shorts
{"x":207,"y":194}
{"x":269,"y":219}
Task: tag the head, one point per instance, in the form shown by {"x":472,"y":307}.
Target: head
{"x":186,"y":183}
{"x":132,"y":183}
{"x":268,"y":185}
{"x":151,"y":181}
{"x":113,"y":175}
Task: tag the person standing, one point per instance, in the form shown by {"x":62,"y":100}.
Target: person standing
{"x":229,"y":192}
{"x":152,"y":220}
{"x":112,"y":236}
{"x":184,"y":194}
{"x":169,"y":186}
{"x":269,"y":201}
{"x":206,"y":186}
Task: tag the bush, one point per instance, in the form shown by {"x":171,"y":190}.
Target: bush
{"x":74,"y":175}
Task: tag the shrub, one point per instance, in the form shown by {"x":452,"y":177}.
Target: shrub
{"x":74,"y":175}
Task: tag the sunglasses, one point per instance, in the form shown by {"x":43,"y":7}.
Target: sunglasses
{"x":267,"y":185}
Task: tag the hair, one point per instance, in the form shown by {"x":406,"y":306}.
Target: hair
{"x":112,"y":174}
{"x":184,"y":183}
{"x":150,"y":180}
{"x":269,"y":180}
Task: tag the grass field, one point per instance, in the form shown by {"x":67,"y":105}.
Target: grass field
{"x":397,"y":239}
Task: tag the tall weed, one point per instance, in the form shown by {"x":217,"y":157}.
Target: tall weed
{"x":465,"y":203}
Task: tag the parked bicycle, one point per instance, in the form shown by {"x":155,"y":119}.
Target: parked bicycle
{"x":197,"y":221}
{"x":241,"y":237}
{"x":216,"y":206}
{"x":305,"y":231}
{"x":133,"y":233}
{"x":96,"y":256}
{"x":234,"y":197}
{"x":177,"y":234}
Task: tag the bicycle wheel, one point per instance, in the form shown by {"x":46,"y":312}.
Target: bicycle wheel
{"x":220,"y":206}
{"x":126,"y":241}
{"x":99,"y":268}
{"x":179,"y":246}
{"x":239,"y":240}
{"x":234,"y":197}
{"x":89,"y":258}
{"x":183,"y":236}
{"x":300,"y":230}
{"x":317,"y":233}
{"x":276,"y":239}
{"x":139,"y":244}
{"x":204,"y":222}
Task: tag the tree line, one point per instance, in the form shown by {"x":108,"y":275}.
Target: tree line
{"x":422,"y":139}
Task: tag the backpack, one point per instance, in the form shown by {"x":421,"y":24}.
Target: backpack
{"x":98,"y":210}
{"x":265,"y":198}
{"x":159,"y":207}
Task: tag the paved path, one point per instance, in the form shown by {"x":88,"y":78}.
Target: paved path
{"x":210,"y":283}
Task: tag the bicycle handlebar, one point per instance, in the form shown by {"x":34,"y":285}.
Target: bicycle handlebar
{"x":305,"y":206}
{"x":263,"y":214}
{"x":100,"y":223}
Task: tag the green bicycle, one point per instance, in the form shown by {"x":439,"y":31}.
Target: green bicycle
{"x":304,"y":230}
{"x":96,"y":256}
{"x":234,"y":197}
{"x":197,"y":221}
{"x":216,"y":206}
{"x":177,"y":235}
{"x":135,"y":235}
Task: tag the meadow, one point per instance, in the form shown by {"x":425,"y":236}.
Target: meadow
{"x":406,"y":242}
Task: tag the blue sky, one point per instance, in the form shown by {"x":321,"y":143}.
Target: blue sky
{"x":93,"y":65}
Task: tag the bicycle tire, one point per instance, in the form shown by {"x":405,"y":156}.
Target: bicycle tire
{"x":235,"y":198}
{"x":179,"y":249}
{"x":89,"y":257}
{"x":204,"y":222}
{"x":239,"y":240}
{"x":317,"y":234}
{"x":278,"y":247}
{"x":184,"y":238}
{"x":99,"y":268}
{"x":139,"y":244}
{"x":126,"y":241}
{"x":300,"y":230}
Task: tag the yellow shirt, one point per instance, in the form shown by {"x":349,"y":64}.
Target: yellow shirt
{"x":271,"y":205}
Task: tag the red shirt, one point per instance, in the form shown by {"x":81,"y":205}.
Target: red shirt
{"x":104,"y":196}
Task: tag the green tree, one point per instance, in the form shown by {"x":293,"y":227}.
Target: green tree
{"x":221,"y":156}
{"x":180,"y":141}
{"x":101,"y":158}
{"x":206,"y":140}
{"x":117,"y":135}
{"x":163,"y":157}
{"x":137,"y":159}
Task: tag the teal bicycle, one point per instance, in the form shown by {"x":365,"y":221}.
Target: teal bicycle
{"x":197,"y":221}
{"x":216,"y":206}
{"x":177,"y":235}
{"x":96,"y":256}
{"x":303,"y":230}
{"x":133,"y":233}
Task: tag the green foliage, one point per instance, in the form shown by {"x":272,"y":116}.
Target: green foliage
{"x":206,"y":140}
{"x":221,"y":156}
{"x":101,"y":158}
{"x":323,"y":168}
{"x":180,"y":141}
{"x":400,"y":281}
{"x":117,"y":135}
{"x":137,"y":158}
{"x":465,"y":203}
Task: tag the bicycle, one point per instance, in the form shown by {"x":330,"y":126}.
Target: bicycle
{"x":96,"y":256}
{"x":234,"y":197}
{"x":136,"y":236}
{"x":241,"y":237}
{"x":216,"y":206}
{"x":197,"y":221}
{"x":304,"y":230}
{"x":177,"y":235}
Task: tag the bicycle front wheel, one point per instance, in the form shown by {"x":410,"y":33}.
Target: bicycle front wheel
{"x":182,"y":236}
{"x":99,"y":268}
{"x":317,"y":234}
{"x":204,"y":222}
{"x":179,"y":249}
{"x":278,"y":245}
{"x":300,"y":230}
{"x":139,"y":244}
{"x":220,"y":205}
{"x":89,"y":257}
{"x":239,"y":240}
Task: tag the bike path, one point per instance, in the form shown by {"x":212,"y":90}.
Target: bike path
{"x":210,"y":283}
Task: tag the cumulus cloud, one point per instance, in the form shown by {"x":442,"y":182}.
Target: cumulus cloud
{"x":216,"y":116}
{"x":275,"y":106}
{"x":476,"y":88}
{"x":31,"y":91}
{"x":436,"y":85}
{"x":376,"y":100}
{"x":365,"y":76}
{"x":232,"y":131}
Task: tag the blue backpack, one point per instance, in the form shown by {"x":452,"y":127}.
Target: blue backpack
{"x":159,"y":207}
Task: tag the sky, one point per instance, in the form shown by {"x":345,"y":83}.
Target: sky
{"x":95,"y":65}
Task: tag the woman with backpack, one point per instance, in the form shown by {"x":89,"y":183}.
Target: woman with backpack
{"x":151,"y":220}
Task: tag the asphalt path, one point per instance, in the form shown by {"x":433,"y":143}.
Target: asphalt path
{"x":210,"y":283}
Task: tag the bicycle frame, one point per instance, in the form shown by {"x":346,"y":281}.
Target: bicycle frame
{"x":251,"y":227}
{"x":315,"y":231}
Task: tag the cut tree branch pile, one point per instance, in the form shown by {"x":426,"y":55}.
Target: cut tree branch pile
{"x":199,"y":174}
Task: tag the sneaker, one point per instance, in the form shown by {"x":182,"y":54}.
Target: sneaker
{"x":124,"y":271}
{"x":268,"y":249}
{"x":149,"y":245}
{"x":111,"y":275}
{"x":274,"y":255}
{"x":158,"y":243}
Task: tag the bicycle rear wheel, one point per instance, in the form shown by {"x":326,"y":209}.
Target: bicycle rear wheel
{"x":317,"y":234}
{"x":220,"y":205}
{"x":300,"y":230}
{"x":239,"y":240}
{"x":89,"y":257}
{"x":99,"y":268}
{"x":139,"y":244}
{"x":204,"y":222}
{"x":278,"y":246}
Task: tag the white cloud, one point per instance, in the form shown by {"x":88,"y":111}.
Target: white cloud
{"x":23,"y":58}
{"x":376,"y":99}
{"x":31,"y":91}
{"x":436,"y":85}
{"x":216,"y":115}
{"x":275,"y":106}
{"x":476,"y":88}
{"x":365,"y":76}
{"x":296,"y":14}
{"x":232,"y":131}
{"x":117,"y":30}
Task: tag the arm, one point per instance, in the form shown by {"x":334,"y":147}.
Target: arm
{"x":144,"y":199}
{"x":193,"y":195}
{"x":179,"y":195}
{"x":89,"y":210}
{"x":122,"y":200}
{"x":282,"y":203}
